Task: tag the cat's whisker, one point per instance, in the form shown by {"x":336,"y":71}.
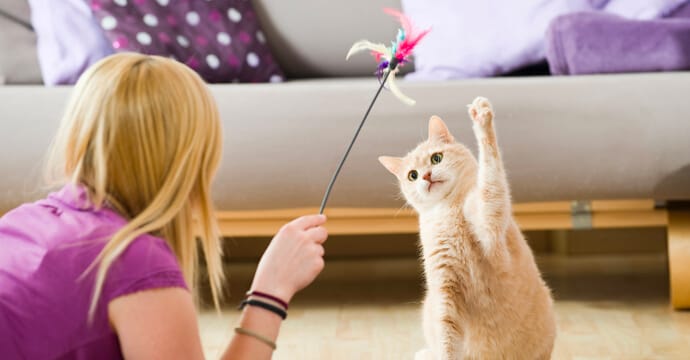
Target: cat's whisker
{"x":403,"y":207}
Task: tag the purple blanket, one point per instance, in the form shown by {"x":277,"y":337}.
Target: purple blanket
{"x":596,"y":42}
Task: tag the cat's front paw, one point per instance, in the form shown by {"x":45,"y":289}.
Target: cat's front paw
{"x":481,"y":111}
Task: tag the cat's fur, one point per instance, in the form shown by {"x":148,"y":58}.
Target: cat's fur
{"x":485,"y":296}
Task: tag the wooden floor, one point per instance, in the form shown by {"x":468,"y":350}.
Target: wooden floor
{"x":607,"y":308}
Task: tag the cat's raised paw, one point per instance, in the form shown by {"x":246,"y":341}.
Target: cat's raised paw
{"x":481,"y":111}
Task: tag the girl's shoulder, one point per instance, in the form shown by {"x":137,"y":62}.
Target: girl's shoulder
{"x":147,"y":263}
{"x":63,"y":234}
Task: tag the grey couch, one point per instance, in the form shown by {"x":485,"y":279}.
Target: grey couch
{"x":563,"y":138}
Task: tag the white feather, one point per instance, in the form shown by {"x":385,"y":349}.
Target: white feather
{"x":396,"y":91}
{"x":366,"y":45}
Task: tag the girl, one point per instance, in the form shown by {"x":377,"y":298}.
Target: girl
{"x":107,"y":266}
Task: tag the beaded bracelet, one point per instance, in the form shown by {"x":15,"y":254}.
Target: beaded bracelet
{"x":267,"y":296}
{"x":256,"y":336}
{"x":274,"y":309}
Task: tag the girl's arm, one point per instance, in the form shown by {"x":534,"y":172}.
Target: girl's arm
{"x":162,"y":324}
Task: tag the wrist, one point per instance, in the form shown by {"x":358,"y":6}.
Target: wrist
{"x":276,"y":291}
{"x":274,"y":300}
{"x":266,"y":305}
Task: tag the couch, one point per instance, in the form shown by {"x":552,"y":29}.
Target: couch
{"x":580,"y":152}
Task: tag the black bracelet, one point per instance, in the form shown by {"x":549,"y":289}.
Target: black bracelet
{"x":274,"y":309}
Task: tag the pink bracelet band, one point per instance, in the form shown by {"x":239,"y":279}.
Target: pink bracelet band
{"x":268,"y":296}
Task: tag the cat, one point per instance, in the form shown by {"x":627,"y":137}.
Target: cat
{"x":485,"y":297}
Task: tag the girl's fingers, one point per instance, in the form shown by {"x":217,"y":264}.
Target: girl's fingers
{"x":320,"y":250}
{"x":319,"y":234}
{"x":309,"y":221}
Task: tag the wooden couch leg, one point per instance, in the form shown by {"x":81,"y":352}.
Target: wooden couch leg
{"x":679,"y":257}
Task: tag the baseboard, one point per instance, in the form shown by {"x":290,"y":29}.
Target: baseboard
{"x":563,"y":215}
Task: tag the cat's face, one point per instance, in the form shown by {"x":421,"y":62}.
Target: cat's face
{"x":435,"y":170}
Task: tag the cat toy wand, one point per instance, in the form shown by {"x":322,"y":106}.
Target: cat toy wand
{"x":390,"y":60}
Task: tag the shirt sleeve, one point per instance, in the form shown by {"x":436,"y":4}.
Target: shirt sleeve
{"x":148,"y":263}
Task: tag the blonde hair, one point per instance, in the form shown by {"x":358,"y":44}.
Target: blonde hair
{"x":142,"y":134}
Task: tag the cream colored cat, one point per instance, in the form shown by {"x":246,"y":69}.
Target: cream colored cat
{"x":485,"y":296}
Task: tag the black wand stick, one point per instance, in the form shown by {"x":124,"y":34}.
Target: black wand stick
{"x":391,"y":67}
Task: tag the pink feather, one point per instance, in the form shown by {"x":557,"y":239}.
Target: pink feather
{"x":404,"y":20}
{"x":412,"y":38}
{"x":406,"y":46}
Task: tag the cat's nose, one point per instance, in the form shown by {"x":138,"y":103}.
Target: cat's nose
{"x":427,"y":176}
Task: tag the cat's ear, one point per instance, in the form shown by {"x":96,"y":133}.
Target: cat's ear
{"x":391,"y":163}
{"x":439,"y":131}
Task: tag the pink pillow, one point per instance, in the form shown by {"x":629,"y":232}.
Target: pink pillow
{"x":220,"y":39}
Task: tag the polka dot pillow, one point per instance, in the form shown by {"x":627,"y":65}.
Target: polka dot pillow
{"x":220,"y":39}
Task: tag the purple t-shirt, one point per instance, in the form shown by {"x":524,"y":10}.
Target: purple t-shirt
{"x":44,"y":248}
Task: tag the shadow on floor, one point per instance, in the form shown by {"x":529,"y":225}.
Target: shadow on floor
{"x":606,"y":280}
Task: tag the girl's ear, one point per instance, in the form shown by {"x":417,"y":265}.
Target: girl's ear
{"x":438,"y":131}
{"x":391,"y":163}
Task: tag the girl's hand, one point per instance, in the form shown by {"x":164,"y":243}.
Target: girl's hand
{"x":293,"y":259}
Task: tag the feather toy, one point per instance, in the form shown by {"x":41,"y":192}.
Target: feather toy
{"x":390,"y":59}
{"x":397,"y":54}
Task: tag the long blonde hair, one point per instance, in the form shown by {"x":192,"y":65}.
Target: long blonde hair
{"x":142,"y":134}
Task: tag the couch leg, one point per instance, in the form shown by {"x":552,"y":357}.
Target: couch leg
{"x":679,"y":257}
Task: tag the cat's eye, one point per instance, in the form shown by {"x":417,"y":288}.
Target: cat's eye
{"x":436,"y":158}
{"x":412,"y":175}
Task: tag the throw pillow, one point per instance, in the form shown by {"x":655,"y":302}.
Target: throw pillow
{"x":69,"y":39}
{"x":471,"y":39}
{"x":220,"y":39}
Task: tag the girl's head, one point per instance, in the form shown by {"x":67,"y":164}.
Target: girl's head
{"x":142,"y":134}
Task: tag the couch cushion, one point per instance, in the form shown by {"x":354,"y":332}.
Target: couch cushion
{"x":562,"y":138}
{"x":17,"y":8}
{"x":310,"y":38}
{"x":221,"y":40}
{"x":20,"y":65}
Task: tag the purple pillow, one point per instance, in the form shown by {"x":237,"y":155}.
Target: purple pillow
{"x":494,"y":37}
{"x":601,"y":43}
{"x":470,"y":39}
{"x":220,"y":39}
{"x":69,"y":39}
